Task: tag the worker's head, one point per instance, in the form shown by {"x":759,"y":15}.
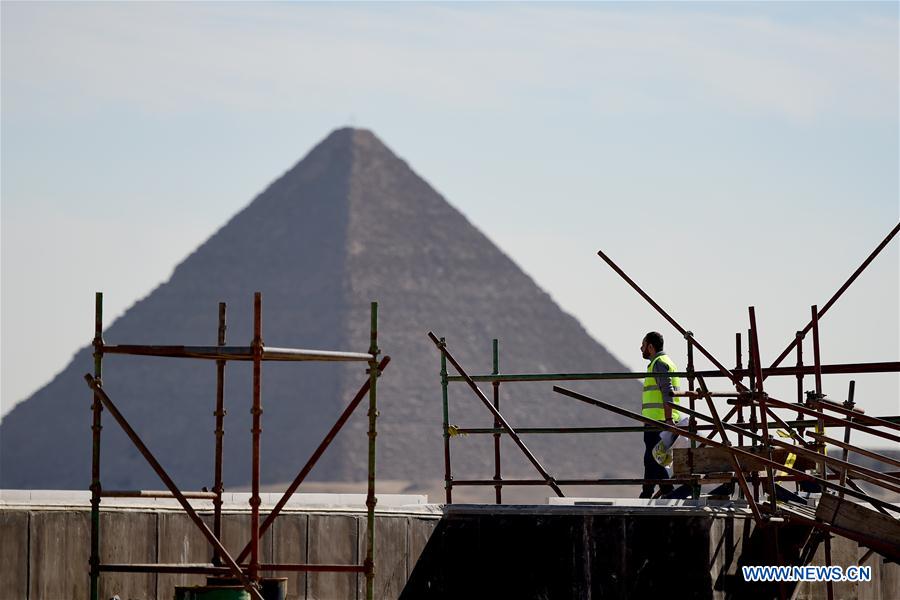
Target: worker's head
{"x":651,"y":344}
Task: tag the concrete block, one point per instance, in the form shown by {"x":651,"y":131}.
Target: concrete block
{"x":725,"y":540}
{"x":844,"y":553}
{"x":289,"y":533}
{"x":180,"y":541}
{"x":660,"y":550}
{"x":236,"y":534}
{"x":58,"y":555}
{"x":419,"y":531}
{"x":128,"y":537}
{"x":333,"y":539}
{"x":391,"y":556}
{"x":14,"y":553}
{"x":890,"y":579}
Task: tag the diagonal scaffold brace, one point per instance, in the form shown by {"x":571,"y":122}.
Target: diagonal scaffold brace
{"x":442,"y":347}
{"x":96,"y":385}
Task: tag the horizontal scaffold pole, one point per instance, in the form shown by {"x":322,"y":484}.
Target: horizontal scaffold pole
{"x":240,"y":353}
{"x":836,"y":369}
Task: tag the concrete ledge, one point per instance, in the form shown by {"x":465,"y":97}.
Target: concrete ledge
{"x":232,"y":502}
{"x":609,"y":506}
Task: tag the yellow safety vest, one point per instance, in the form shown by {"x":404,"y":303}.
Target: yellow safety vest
{"x":652,"y":399}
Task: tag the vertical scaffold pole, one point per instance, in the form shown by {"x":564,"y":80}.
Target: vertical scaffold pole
{"x":817,"y":364}
{"x":763,"y":413}
{"x":96,"y":426}
{"x":218,"y":485}
{"x":692,"y":422}
{"x":799,"y":337}
{"x":849,"y":404}
{"x":257,"y":346}
{"x":820,"y":429}
{"x":373,"y":415}
{"x":496,"y":385}
{"x":737,"y":367}
{"x":448,"y":477}
{"x":754,"y":475}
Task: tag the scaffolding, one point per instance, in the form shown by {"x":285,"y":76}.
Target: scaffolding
{"x":223,"y":564}
{"x":761,"y":464}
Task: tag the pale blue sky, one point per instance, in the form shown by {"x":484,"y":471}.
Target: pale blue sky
{"x":725,"y":154}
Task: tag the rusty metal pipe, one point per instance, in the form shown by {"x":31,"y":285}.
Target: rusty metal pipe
{"x":96,"y":427}
{"x":857,"y":415}
{"x":257,"y":346}
{"x":323,"y":568}
{"x":240,"y":353}
{"x":857,"y":423}
{"x":495,"y":370}
{"x":861,"y":472}
{"x":835,"y":369}
{"x":218,"y":484}
{"x":763,"y":413}
{"x":155,"y":494}
{"x":687,"y":434}
{"x":849,"y":447}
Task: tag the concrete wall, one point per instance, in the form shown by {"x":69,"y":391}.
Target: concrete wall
{"x":44,"y":552}
{"x":612,"y":552}
{"x":460,"y":552}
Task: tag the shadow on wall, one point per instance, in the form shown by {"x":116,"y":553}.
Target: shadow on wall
{"x":537,"y":555}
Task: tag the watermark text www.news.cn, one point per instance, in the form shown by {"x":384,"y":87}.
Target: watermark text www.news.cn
{"x":807,"y":573}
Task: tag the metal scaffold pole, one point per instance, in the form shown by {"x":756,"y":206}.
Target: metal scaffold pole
{"x":448,"y":476}
{"x":222,"y":565}
{"x":498,"y":489}
{"x":256,"y":411}
{"x":373,"y":415}
{"x":96,"y":426}
{"x":218,"y":485}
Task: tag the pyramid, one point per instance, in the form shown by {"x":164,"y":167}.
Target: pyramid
{"x":348,"y":224}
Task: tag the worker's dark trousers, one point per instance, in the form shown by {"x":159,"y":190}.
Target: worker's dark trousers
{"x":652,"y":469}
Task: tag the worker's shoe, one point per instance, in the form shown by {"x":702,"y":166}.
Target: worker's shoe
{"x":646,"y":494}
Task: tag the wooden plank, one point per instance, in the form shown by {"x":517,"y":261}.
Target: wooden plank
{"x":715,"y":460}
{"x":856,"y":517}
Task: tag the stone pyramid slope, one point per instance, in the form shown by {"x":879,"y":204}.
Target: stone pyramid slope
{"x":348,"y":224}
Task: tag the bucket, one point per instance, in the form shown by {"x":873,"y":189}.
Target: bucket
{"x":212,"y":592}
{"x":271,"y":588}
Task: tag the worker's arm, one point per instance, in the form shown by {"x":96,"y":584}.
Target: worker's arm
{"x":665,"y":386}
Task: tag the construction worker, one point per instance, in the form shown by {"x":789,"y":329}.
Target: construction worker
{"x":658,"y":390}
